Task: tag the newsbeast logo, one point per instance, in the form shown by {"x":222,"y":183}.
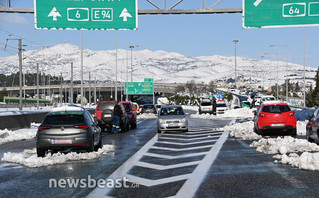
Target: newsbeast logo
{"x":90,"y":182}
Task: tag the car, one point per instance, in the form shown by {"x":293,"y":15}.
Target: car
{"x":257,"y":101}
{"x":136,"y":108}
{"x":68,"y":128}
{"x":172,"y":118}
{"x":221,"y":107}
{"x":149,"y":108}
{"x":312,"y":127}
{"x":132,"y":115}
{"x":267,"y":98}
{"x":104,"y":116}
{"x":205,"y":107}
{"x":275,"y":118}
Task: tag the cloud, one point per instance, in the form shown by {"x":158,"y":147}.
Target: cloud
{"x":12,"y":18}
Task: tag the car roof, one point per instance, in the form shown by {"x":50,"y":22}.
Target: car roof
{"x":163,"y":106}
{"x":67,"y":108}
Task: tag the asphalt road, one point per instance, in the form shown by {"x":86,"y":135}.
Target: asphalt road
{"x":205,"y":162}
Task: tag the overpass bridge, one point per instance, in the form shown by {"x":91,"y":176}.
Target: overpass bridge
{"x":102,"y":90}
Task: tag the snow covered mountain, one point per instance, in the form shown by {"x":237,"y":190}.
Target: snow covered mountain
{"x":164,"y":67}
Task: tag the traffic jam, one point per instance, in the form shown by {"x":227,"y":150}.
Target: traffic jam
{"x":181,"y":140}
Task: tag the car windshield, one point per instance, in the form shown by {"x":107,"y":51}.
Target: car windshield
{"x":172,"y":111}
{"x":105,"y":105}
{"x":206,"y":104}
{"x":127,"y":107}
{"x":276,"y":109}
{"x":148,"y":106}
{"x":64,"y":119}
{"x":268,"y":99}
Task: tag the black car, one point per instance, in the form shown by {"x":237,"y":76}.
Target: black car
{"x":68,"y":128}
{"x":149,"y":108}
{"x":104,"y":116}
{"x":312,"y":126}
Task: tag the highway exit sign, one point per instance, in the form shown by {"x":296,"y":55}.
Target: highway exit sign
{"x":280,"y":13}
{"x":139,"y":88}
{"x":86,"y":14}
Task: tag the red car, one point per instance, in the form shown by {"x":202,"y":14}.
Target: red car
{"x":132,"y":115}
{"x":275,"y":118}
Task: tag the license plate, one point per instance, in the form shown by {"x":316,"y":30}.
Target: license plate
{"x":172,"y":125}
{"x":277,"y":124}
{"x":107,"y":115}
{"x":55,"y":141}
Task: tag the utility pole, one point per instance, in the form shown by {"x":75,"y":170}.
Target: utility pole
{"x":61,"y":90}
{"x":95,"y":92}
{"x":116,"y":71}
{"x":38,"y":92}
{"x":235,"y":41}
{"x":89,"y":88}
{"x":71,"y":85}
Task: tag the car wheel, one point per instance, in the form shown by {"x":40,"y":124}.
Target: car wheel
{"x":91,"y":147}
{"x":96,"y":148}
{"x":123,"y":127}
{"x":134,"y":125}
{"x":41,"y":152}
{"x":255,"y":130}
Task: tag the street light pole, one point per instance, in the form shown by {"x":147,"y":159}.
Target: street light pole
{"x":287,"y":87}
{"x":132,"y":46}
{"x":277,"y":72}
{"x":116,"y":71}
{"x":304,"y":71}
{"x":235,"y":41}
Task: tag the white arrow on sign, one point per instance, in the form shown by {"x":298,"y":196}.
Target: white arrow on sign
{"x":55,"y":14}
{"x":125,"y":14}
{"x":257,"y":2}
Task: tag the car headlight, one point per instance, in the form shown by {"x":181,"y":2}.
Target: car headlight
{"x":184,"y":120}
{"x":161,"y":121}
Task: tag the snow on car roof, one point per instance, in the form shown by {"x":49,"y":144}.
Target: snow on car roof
{"x":274,"y":102}
{"x":67,"y":108}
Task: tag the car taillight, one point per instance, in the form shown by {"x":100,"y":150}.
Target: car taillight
{"x":85,"y":127}
{"x":200,"y":108}
{"x":43,"y":127}
{"x":95,"y":115}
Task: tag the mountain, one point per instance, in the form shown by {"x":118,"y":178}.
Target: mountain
{"x":164,"y":67}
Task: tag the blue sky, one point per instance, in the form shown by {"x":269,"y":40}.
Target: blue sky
{"x":190,"y":35}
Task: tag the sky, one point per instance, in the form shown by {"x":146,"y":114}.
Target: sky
{"x":190,"y":35}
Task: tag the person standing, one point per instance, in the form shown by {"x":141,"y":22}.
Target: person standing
{"x":116,"y":117}
{"x":214,"y":107}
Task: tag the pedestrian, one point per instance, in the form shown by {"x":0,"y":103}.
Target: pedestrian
{"x":214,"y":106}
{"x":116,"y":117}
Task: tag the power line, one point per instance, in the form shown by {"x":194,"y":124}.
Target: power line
{"x":25,"y":39}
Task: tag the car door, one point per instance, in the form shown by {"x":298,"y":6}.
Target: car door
{"x":315,"y":121}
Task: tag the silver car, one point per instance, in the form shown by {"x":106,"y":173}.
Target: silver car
{"x":172,"y":118}
{"x":68,"y":128}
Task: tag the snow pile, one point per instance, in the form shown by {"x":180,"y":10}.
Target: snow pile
{"x":29,"y":157}
{"x":147,"y":116}
{"x":307,"y":161}
{"x":22,"y":134}
{"x":283,"y":145}
{"x":243,"y":131}
{"x":231,"y":113}
{"x":190,"y":107}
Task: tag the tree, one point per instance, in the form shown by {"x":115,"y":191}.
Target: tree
{"x":3,"y":93}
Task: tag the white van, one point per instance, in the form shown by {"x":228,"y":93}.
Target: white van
{"x":221,"y":107}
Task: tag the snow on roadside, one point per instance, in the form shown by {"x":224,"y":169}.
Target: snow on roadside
{"x":298,"y":153}
{"x":230,"y":113}
{"x":29,"y":157}
{"x":21,"y":134}
{"x":243,"y":130}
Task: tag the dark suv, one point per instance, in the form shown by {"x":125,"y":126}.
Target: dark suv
{"x":132,"y":115}
{"x":104,"y":116}
{"x":68,"y":128}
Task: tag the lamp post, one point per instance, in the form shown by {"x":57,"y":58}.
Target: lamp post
{"x":132,"y":46}
{"x":277,"y":70}
{"x":235,"y":41}
{"x":286,"y":67}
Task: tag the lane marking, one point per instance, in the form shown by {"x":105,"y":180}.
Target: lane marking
{"x":187,"y":143}
{"x":174,"y":157}
{"x":191,"y":136}
{"x":181,"y":149}
{"x":124,"y":168}
{"x":183,"y":139}
{"x":166,"y":167}
{"x":191,"y":185}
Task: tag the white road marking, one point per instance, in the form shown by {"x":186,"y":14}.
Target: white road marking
{"x":187,"y":143}
{"x":174,"y":157}
{"x":191,"y":136}
{"x":183,"y":139}
{"x":191,"y":185}
{"x":180,"y":149}
{"x":166,"y":167}
{"x":149,"y":182}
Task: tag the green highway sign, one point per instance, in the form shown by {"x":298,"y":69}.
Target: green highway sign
{"x":280,"y":13}
{"x":139,"y":88}
{"x":148,"y":79}
{"x":86,"y":14}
